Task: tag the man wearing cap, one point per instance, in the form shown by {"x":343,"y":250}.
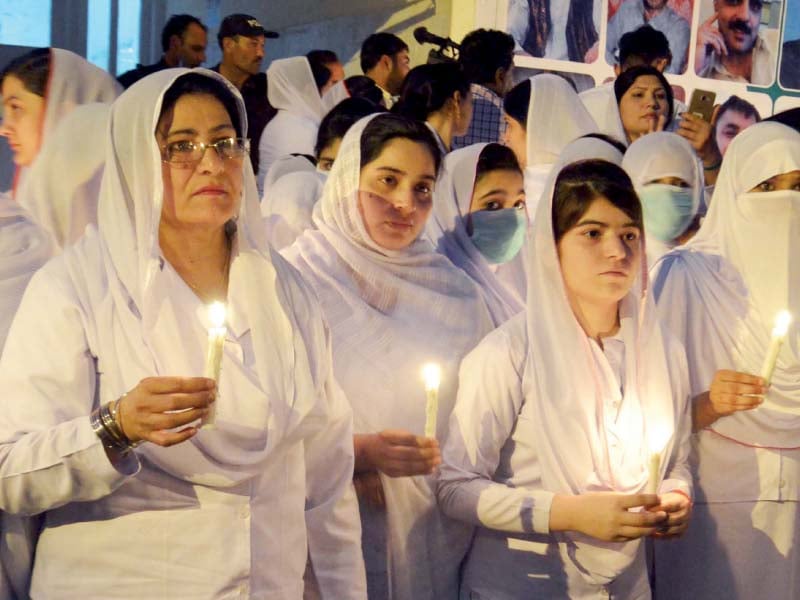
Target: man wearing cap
{"x":241,"y":39}
{"x":183,"y":41}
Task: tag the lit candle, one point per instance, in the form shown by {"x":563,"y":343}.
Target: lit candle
{"x":216,"y":338}
{"x":433,"y":376}
{"x":779,"y":331}
{"x":657,"y":441}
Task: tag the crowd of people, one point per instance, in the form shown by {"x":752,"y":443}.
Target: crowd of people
{"x":590,"y":283}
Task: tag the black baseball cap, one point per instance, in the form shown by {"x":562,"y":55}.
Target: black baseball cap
{"x":245,"y":25}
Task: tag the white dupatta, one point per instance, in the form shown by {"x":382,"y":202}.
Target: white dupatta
{"x":569,"y":395}
{"x":728,"y":283}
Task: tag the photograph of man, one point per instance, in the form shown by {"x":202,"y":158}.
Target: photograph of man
{"x":790,"y":56}
{"x":733,"y":116}
{"x":733,"y":45}
{"x":556,"y":29}
{"x":667,"y":16}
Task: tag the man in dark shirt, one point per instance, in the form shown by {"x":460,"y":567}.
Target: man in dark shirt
{"x":241,"y":39}
{"x":183,"y":41}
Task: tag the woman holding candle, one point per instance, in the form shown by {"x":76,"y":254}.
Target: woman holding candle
{"x":393,"y":304}
{"x":479,"y":222}
{"x":187,"y":513}
{"x":547,"y":456}
{"x":721,"y":294}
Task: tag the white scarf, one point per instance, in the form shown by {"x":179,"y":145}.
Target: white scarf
{"x":571,"y":382}
{"x":556,"y":116}
{"x":742,"y":268}
{"x":448,"y":230}
{"x":292,"y":88}
{"x":391,"y":311}
{"x":63,"y":183}
{"x":72,"y":81}
{"x":133,"y":322}
{"x":288,"y":211}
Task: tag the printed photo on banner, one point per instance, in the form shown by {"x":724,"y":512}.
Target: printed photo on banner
{"x":579,"y":81}
{"x":790,"y":53}
{"x":737,"y":40}
{"x":556,"y":29}
{"x":671,"y":17}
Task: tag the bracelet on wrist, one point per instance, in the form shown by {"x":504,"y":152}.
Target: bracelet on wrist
{"x":105,"y":427}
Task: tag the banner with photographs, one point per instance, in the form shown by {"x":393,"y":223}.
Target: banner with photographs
{"x":747,"y":48}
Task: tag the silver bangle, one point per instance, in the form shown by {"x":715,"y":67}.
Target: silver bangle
{"x":106,"y":428}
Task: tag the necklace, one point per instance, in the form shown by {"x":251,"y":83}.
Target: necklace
{"x":226,"y":267}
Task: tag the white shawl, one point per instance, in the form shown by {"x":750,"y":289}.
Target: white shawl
{"x":722,"y":291}
{"x":569,"y":395}
{"x":448,"y":231}
{"x":287,"y":213}
{"x":390,"y":312}
{"x":556,"y":117}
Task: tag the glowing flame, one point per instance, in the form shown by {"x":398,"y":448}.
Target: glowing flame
{"x":432,"y":374}
{"x":782,"y":322}
{"x":216,"y":314}
{"x":657,"y":438}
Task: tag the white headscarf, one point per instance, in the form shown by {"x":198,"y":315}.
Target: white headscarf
{"x":587,"y":147}
{"x":261,"y":405}
{"x":601,"y":102}
{"x":391,"y":311}
{"x":556,"y":116}
{"x":448,"y":230}
{"x":24,"y":247}
{"x":64,"y":181}
{"x":288,"y":211}
{"x":570,"y":396}
{"x":664,"y":154}
{"x":72,"y":81}
{"x":292,"y":88}
{"x":742,"y":268}
{"x":283,"y":166}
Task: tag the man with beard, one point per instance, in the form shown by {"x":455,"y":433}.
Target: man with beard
{"x":241,"y":39}
{"x":384,"y":59}
{"x":734,"y":49}
{"x":635,"y":13}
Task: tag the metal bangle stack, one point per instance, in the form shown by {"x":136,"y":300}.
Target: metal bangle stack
{"x":106,"y":427}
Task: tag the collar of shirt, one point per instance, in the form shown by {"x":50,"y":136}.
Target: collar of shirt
{"x":717,"y":70}
{"x":479,"y":91}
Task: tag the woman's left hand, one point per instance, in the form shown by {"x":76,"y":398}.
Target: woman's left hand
{"x":679,"y":510}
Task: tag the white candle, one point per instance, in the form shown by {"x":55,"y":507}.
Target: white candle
{"x":433,"y":376}
{"x":216,"y":339}
{"x":782,"y":321}
{"x":657,"y":439}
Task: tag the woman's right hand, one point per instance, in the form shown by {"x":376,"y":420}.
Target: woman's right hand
{"x":730,"y":392}
{"x":399,"y":453}
{"x":158,"y":405}
{"x":606,"y":515}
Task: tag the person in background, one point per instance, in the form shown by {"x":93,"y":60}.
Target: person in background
{"x":556,"y":29}
{"x":733,"y":116}
{"x":632,"y":14}
{"x":790,"y":65}
{"x":487,"y":59}
{"x":731,"y":47}
{"x":183,"y":41}
{"x":361,"y":86}
{"x":644,"y":100}
{"x":326,"y":68}
{"x":241,"y":39}
{"x":384,"y":59}
{"x":439,"y":95}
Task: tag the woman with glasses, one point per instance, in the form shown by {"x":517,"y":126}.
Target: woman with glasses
{"x":102,"y":431}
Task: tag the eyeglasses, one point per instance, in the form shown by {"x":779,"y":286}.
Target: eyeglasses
{"x":186,"y":153}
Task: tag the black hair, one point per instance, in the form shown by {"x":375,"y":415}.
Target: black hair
{"x":340,"y":119}
{"x":643,"y":46}
{"x":482,"y":52}
{"x":516,"y":102}
{"x":195,"y":83}
{"x":177,"y":25}
{"x":387,"y":127}
{"x":608,"y":139}
{"x":32,"y":69}
{"x":427,"y":88}
{"x":496,"y":157}
{"x":790,"y":118}
{"x":739,"y":105}
{"x":377,"y":45}
{"x":319,"y":60}
{"x":361,"y":86}
{"x":627,"y":78}
{"x":581,"y":183}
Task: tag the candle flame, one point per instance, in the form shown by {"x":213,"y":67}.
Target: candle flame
{"x":432,"y":374}
{"x":657,"y":437}
{"x":782,"y":322}
{"x":216,"y":314}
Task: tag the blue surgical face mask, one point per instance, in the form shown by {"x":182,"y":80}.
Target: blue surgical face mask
{"x":499,"y":234}
{"x":668,"y":210}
